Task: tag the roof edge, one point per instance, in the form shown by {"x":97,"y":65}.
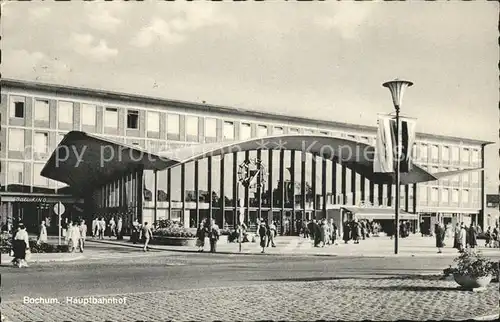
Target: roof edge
{"x":210,"y":107}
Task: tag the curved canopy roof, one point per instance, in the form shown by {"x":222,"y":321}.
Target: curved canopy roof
{"x":82,"y":160}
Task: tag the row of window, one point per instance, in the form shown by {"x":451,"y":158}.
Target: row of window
{"x":16,"y":174}
{"x":446,"y":195}
{"x":422,"y":152}
{"x":453,"y":154}
{"x":466,"y":177}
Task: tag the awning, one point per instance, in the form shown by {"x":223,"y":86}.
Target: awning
{"x":379,"y":213}
{"x":82,"y":160}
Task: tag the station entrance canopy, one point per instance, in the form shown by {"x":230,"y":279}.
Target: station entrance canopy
{"x":84,"y":161}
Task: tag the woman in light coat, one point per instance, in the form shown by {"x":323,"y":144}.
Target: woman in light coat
{"x":43,"y":233}
{"x":462,"y":238}
{"x":73,"y":236}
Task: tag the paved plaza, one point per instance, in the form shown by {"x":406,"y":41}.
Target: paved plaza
{"x":423,"y":298}
{"x":415,"y":245}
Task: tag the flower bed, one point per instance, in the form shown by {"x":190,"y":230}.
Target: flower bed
{"x":173,"y":241}
{"x":5,"y":242}
{"x":36,"y":247}
{"x":173,"y":235}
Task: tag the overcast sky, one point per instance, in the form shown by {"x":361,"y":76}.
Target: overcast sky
{"x":323,"y":60}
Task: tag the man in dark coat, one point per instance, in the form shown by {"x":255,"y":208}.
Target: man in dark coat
{"x":439,"y":233}
{"x":310,"y":228}
{"x":346,"y":232}
{"x":472,"y":236}
{"x":317,"y":234}
{"x":355,"y":231}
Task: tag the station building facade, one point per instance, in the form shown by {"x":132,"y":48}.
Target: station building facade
{"x":36,"y":117}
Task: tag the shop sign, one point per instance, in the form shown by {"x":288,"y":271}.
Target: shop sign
{"x":30,"y":199}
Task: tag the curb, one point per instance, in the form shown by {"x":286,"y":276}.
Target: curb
{"x":349,"y":255}
{"x":50,"y":260}
{"x":492,"y":317}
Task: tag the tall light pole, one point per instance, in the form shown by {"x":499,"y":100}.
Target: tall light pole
{"x":397,"y":88}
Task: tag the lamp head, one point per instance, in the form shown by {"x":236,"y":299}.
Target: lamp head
{"x":397,"y":88}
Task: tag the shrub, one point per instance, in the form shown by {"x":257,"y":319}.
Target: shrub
{"x":5,"y":242}
{"x":473,"y":264}
{"x":166,"y":223}
{"x":174,"y":232}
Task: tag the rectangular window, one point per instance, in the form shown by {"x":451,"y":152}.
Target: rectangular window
{"x":16,"y":140}
{"x":132,"y":119}
{"x":454,"y":154}
{"x":435,"y":153}
{"x":423,"y":152}
{"x":475,"y":157}
{"x":475,"y":177}
{"x":245,"y":131}
{"x":445,"y":195}
{"x":111,"y":117}
{"x":446,"y":154}
{"x":173,"y":121}
{"x":465,"y":179}
{"x":293,"y":131}
{"x":42,"y":110}
{"x":17,"y":106}
{"x":434,"y":194}
{"x":192,"y":126}
{"x":153,"y":121}
{"x":88,"y":114}
{"x":278,"y":130}
{"x":351,"y":136}
{"x":434,"y":169}
{"x":454,"y":195}
{"x":456,"y":178}
{"x":465,"y":155}
{"x":325,"y":133}
{"x":465,"y":196}
{"x":60,"y":137}
{"x":41,"y":141}
{"x":261,"y":130}
{"x":210,"y":128}
{"x":38,"y":180}
{"x":364,"y":139}
{"x":65,"y":113}
{"x":16,"y":173}
{"x":228,"y":130}
{"x":422,"y":193}
{"x":414,"y":151}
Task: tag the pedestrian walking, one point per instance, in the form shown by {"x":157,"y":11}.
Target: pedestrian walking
{"x":200,"y":235}
{"x":135,"y":231}
{"x":325,"y":234}
{"x":472,"y":236}
{"x":213,"y":236}
{"x":439,"y":234}
{"x":310,"y":229}
{"x":263,"y":236}
{"x":42,"y":237}
{"x":272,"y":232}
{"x":333,"y":232}
{"x":73,"y":237}
{"x":95,"y":227}
{"x":346,"y":236}
{"x":456,"y":236}
{"x":64,"y":227}
{"x":101,"y":228}
{"x":147,"y":234}
{"x":487,"y":236}
{"x":317,"y":234}
{"x":119,"y":229}
{"x":112,"y":227}
{"x":462,"y":241}
{"x":21,"y":246}
{"x":83,"y":235}
{"x":356,"y":231}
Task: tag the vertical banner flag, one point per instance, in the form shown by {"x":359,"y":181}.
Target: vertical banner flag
{"x":384,"y":161}
{"x":385,"y":149}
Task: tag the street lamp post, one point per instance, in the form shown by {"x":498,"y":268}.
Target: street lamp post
{"x":397,"y":88}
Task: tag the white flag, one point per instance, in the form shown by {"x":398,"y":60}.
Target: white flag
{"x":384,"y":151}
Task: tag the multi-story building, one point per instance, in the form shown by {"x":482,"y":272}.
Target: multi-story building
{"x":35,"y":117}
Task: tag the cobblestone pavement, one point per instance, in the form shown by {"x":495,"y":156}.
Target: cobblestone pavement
{"x":422,"y":298}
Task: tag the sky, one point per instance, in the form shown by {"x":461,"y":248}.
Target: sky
{"x":324,"y":60}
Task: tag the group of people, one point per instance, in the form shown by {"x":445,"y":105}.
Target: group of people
{"x":267,"y":233}
{"x":463,"y":236}
{"x":112,"y":228}
{"x":359,"y":229}
{"x":74,"y":233}
{"x":322,"y":232}
{"x":207,"y":229}
{"x":492,"y":237}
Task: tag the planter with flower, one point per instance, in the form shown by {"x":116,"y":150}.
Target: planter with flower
{"x":472,"y":270}
{"x":174,"y":236}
